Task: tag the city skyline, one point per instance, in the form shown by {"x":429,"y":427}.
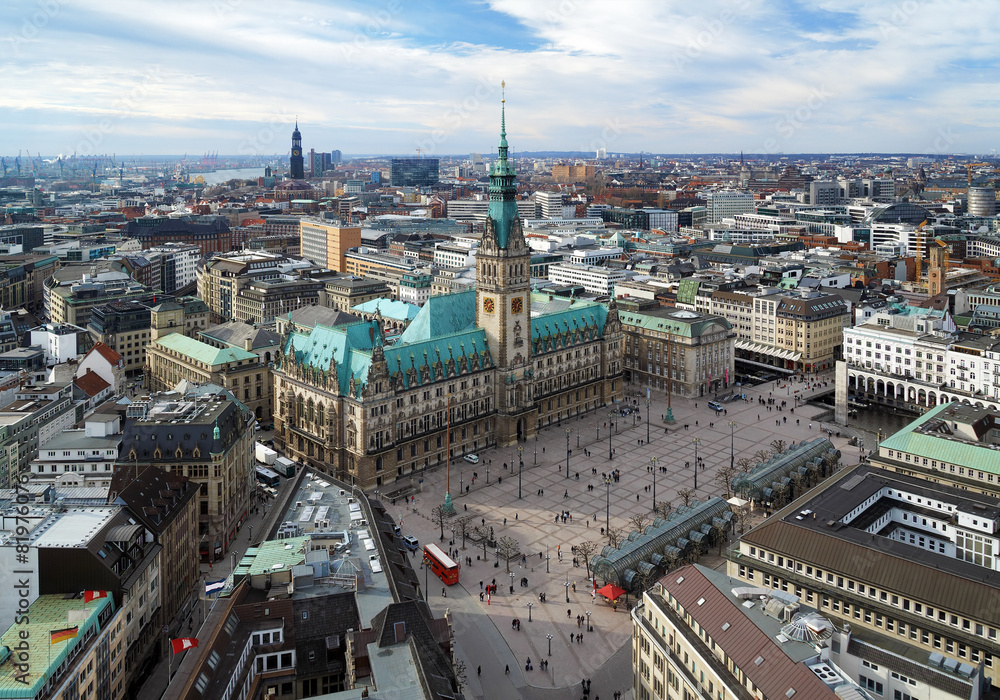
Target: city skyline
{"x":232,"y":76}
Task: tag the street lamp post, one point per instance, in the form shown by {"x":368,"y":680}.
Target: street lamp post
{"x":569,"y":431}
{"x":547,"y":557}
{"x":487,"y":475}
{"x":611,"y":415}
{"x":530,"y":604}
{"x":512,"y":579}
{"x":696,"y":441}
{"x":536,"y":448}
{"x":589,"y":628}
{"x":732,"y":444}
{"x":654,"y":482}
{"x":461,"y":486}
{"x":607,"y":513}
{"x":549,"y":637}
{"x":567,"y":590}
{"x":647,"y":417}
{"x":519,"y":463}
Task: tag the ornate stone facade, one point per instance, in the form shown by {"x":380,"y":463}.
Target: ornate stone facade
{"x":474,"y":369}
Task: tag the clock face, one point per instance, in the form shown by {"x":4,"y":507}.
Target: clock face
{"x":295,"y":151}
{"x":488,"y":305}
{"x":516,"y":305}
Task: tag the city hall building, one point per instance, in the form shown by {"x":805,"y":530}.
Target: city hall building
{"x":483,"y":367}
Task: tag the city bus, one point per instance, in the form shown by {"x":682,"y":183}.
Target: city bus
{"x":443,"y":566}
{"x":267,"y":477}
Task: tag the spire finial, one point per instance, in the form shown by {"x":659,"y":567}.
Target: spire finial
{"x":503,"y":108}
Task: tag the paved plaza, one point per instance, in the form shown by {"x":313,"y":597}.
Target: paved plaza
{"x":485,"y":638}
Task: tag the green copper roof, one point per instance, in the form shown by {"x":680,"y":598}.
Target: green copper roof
{"x":580,"y":316}
{"x":203,"y":352}
{"x":46,"y":614}
{"x":503,"y":189}
{"x":962,"y":452}
{"x":676,"y":324}
{"x":350,"y":345}
{"x":442,"y":315}
{"x":389,"y":308}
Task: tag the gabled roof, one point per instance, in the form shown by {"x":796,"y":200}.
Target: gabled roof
{"x":107,"y":353}
{"x":91,"y":383}
{"x":750,"y":648}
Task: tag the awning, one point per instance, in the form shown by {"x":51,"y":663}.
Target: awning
{"x":611,"y":592}
{"x":768,"y":350}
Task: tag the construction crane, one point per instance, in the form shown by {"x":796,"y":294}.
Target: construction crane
{"x":920,"y":249}
{"x":969,"y":167}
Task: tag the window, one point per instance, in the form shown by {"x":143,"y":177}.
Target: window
{"x":871,"y":684}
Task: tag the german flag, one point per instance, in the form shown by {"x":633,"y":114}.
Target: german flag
{"x":56,"y":636}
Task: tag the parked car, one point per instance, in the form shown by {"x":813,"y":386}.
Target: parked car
{"x":472,"y":459}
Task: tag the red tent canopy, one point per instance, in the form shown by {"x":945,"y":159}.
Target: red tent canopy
{"x":611,"y":592}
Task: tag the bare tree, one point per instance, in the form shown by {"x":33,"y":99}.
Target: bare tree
{"x":639,"y":521}
{"x":724,"y":478}
{"x":778,"y":446}
{"x":745,"y":464}
{"x":439,"y":515}
{"x":663,"y":509}
{"x":508,"y":548}
{"x":463,"y":523}
{"x":686,"y":495}
{"x":741,"y":514}
{"x":482,"y":533}
{"x":614,"y":536}
{"x":762,"y":455}
{"x":671,"y":559}
{"x":587,"y":550}
{"x":718,"y":535}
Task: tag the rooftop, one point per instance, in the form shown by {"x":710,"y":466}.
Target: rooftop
{"x":47,"y":613}
{"x":203,"y":352}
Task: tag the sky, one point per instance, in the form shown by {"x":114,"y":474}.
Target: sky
{"x":392,"y":76}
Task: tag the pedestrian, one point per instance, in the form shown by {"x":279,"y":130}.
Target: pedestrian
{"x":506,"y":670}
{"x":569,"y":612}
{"x":479,"y":670}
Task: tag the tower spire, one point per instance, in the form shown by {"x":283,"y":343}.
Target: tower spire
{"x":503,"y":112}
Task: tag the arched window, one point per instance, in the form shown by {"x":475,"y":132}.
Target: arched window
{"x":320,"y":414}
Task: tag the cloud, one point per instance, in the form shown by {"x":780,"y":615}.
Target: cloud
{"x":389,"y":75}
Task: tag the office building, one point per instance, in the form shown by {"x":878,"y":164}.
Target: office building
{"x":891,"y":554}
{"x":691,"y":353}
{"x":700,"y":633}
{"x":125,"y":327}
{"x":177,"y":358}
{"x":207,"y":436}
{"x":727,"y":204}
{"x":210,"y":233}
{"x":414,"y":172}
{"x":592,"y":278}
{"x":326,"y":243}
{"x":72,"y":292}
{"x":223,"y":279}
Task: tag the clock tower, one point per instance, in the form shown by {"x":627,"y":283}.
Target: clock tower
{"x":503,"y":300}
{"x":295,"y":162}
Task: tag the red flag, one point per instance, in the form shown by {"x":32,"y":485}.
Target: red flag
{"x":183,"y":644}
{"x":93,"y":595}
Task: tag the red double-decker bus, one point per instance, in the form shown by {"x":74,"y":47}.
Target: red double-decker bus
{"x":443,"y":566}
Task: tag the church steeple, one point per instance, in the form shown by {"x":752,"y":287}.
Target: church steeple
{"x":295,"y":163}
{"x":503,"y":186}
